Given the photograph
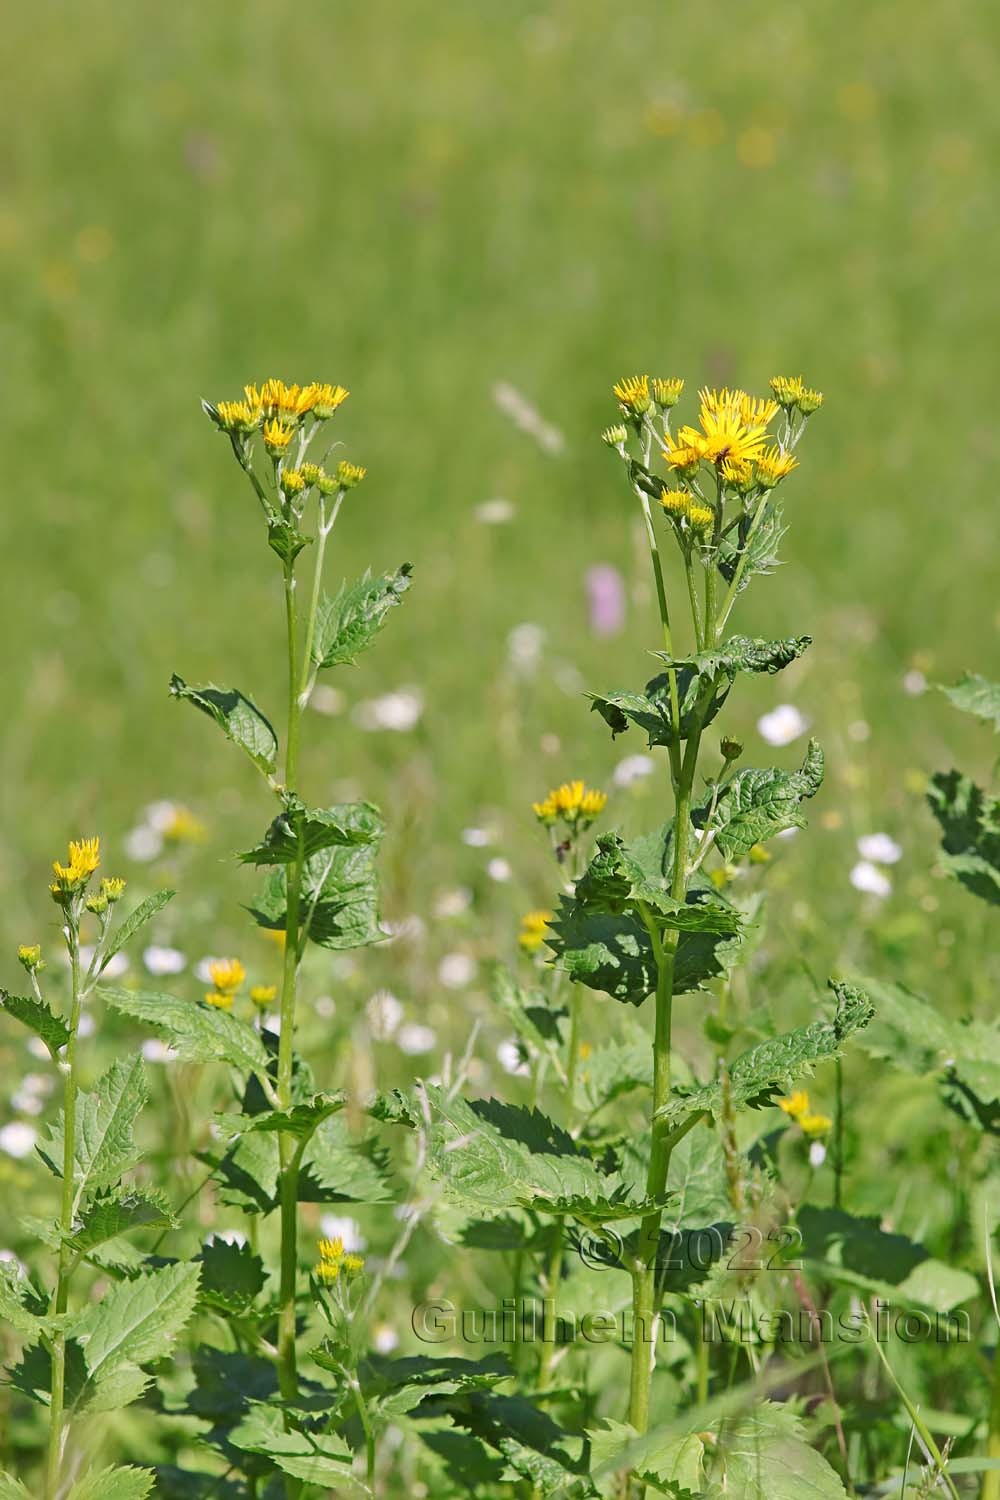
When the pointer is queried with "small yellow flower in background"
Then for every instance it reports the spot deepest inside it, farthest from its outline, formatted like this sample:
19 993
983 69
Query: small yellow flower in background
675 502
184 827
533 925
292 481
112 888
633 394
667 392
772 466
275 935
574 802
795 1104
263 994
226 974
585 1051
277 436
83 859
350 474
759 855
334 1261
29 956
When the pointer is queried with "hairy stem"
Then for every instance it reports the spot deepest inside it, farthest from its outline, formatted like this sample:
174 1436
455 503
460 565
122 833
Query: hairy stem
61 1299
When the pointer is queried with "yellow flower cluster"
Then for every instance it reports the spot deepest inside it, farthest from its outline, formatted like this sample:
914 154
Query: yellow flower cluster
82 860
791 390
797 1107
533 925
573 802
681 505
335 1262
263 995
227 975
637 394
279 408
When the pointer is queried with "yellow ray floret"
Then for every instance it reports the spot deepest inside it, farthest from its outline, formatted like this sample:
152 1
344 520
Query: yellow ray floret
239 416
675 502
787 388
292 481
795 1104
263 994
349 475
815 1124
700 517
83 859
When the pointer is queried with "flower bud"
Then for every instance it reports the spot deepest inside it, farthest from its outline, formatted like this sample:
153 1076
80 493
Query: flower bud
731 749
29 956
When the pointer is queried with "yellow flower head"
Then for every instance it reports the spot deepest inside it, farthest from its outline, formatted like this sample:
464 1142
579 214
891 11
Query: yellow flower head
328 1270
29 955
633 394
685 455
675 502
810 401
533 925
310 473
796 1104
733 426
331 1249
737 472
667 392
815 1124
112 888
293 481
574 802
326 399
221 999
772 466
289 403
83 859
353 1265
348 475
238 416
700 518
616 436
227 974
263 994
277 435
184 827
787 389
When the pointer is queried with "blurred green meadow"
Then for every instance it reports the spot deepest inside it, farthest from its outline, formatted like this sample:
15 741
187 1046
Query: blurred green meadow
428 204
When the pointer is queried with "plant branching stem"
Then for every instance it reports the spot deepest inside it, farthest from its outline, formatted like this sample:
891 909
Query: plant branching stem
61 1299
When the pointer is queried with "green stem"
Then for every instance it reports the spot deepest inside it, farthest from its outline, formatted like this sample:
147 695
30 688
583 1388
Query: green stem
288 1187
574 1045
914 1415
699 629
991 1478
732 591
61 1300
668 640
838 1139
550 1316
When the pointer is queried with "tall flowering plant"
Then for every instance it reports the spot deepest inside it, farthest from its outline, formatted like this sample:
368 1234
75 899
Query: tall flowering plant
653 919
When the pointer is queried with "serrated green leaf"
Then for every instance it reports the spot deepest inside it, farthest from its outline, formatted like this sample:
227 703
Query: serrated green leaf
301 1120
285 539
232 1275
320 1458
119 1212
197 1032
762 551
340 1168
656 1458
114 1484
240 720
614 880
105 1147
614 954
310 830
16 1293
970 826
497 1157
770 1068
534 1021
339 891
975 694
757 804
762 1456
133 923
348 623
652 709
136 1322
37 1016
397 1386
741 653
